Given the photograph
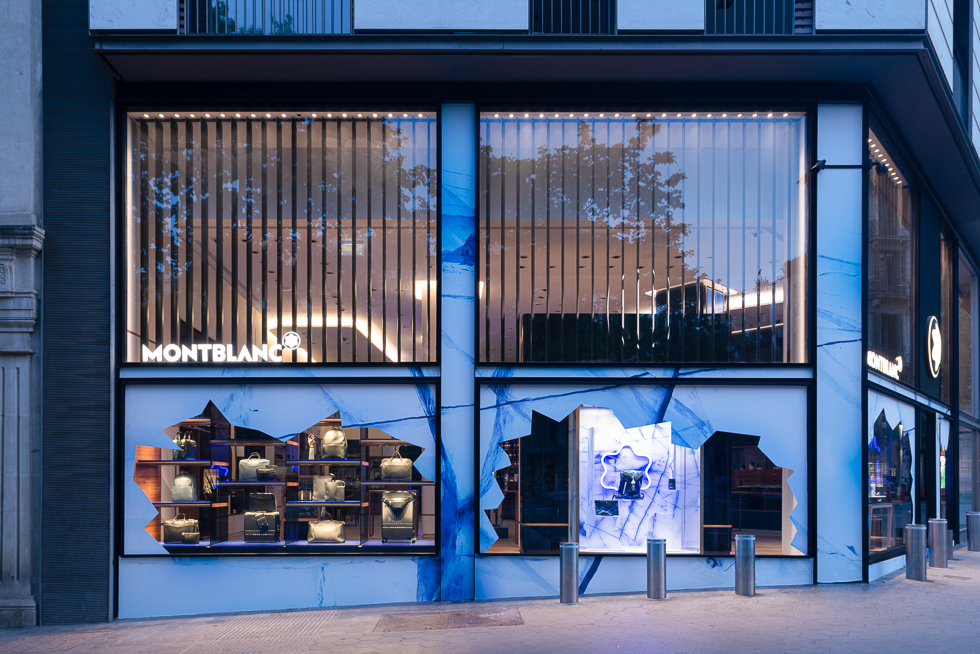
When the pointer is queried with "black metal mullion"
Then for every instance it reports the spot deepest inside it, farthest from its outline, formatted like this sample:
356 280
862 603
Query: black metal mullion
398 222
338 276
158 230
323 242
547 251
144 231
249 210
534 286
430 338
384 233
265 233
189 237
294 224
517 234
279 152
308 122
205 235
174 238
503 237
353 231
368 238
219 166
234 236
592 220
415 182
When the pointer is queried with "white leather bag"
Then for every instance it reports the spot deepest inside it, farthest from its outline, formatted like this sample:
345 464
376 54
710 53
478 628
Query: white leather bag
247 467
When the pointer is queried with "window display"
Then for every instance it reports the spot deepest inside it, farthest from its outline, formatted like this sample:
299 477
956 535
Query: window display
225 487
892 470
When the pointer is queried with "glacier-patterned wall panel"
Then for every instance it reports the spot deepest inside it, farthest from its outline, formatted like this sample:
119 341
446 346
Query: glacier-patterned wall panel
463 15
840 130
866 15
939 26
679 15
129 16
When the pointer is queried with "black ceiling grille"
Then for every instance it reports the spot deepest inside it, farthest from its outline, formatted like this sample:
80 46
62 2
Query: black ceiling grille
758 17
573 17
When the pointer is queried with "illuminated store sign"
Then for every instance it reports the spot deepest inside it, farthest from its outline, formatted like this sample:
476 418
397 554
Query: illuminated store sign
934 346
218 353
885 366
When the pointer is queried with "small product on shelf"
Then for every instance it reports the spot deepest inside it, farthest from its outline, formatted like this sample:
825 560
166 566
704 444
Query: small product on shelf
247 467
396 468
262 523
397 516
327 531
328 489
175 529
187 446
184 488
265 473
333 444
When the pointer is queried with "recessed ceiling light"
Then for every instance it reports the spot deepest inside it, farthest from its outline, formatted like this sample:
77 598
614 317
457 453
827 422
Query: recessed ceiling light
769 115
161 115
222 115
146 115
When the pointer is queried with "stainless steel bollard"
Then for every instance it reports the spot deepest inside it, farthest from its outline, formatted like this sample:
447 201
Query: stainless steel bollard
938 557
745 565
569 573
973 531
656 568
915 552
950 547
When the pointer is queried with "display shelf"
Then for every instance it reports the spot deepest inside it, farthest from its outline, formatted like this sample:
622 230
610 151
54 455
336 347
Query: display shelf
397 484
350 503
177 462
330 462
250 483
232 441
384 441
198 503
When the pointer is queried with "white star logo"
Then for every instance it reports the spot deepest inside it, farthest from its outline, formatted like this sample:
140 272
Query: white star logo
290 340
935 345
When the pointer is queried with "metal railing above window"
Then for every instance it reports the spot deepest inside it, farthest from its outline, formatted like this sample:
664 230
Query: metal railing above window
758 17
267 16
573 16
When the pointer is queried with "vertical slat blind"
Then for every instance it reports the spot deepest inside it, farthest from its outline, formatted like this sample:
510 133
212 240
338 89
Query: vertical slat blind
758 17
269 16
246 226
619 237
573 17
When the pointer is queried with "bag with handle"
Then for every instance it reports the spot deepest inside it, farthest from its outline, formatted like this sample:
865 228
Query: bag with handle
247 467
320 487
266 473
333 444
184 488
175 528
327 531
396 468
262 502
335 490
397 516
188 448
262 527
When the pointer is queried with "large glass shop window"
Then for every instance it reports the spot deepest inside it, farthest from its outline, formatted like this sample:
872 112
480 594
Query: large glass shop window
589 479
967 308
209 484
891 248
643 237
892 470
308 237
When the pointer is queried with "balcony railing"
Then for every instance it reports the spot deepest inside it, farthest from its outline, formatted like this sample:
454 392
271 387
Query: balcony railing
758 17
266 17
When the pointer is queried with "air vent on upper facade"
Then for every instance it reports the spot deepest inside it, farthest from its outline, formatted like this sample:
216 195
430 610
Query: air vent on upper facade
803 17
758 17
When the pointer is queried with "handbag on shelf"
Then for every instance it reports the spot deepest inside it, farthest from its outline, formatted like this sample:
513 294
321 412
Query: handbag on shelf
175 528
266 473
320 487
397 516
184 488
333 444
335 490
262 502
396 468
327 531
188 448
247 467
629 485
262 527
191 538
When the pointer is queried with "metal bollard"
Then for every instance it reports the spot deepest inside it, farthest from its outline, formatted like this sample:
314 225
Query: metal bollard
938 558
656 568
973 531
950 547
915 552
569 573
745 565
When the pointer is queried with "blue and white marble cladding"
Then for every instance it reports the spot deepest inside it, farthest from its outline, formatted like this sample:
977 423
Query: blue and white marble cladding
840 360
456 355
501 577
886 567
909 393
279 410
777 414
662 512
159 586
546 372
287 371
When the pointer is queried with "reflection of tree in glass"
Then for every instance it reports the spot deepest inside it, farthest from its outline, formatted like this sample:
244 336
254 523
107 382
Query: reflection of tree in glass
635 203
219 22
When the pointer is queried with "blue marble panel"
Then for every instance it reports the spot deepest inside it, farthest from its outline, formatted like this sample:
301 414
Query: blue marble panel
456 354
777 414
407 412
275 371
840 360
911 394
886 567
158 587
500 577
546 372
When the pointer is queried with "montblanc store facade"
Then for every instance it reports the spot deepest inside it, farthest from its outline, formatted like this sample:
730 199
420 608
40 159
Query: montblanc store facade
382 342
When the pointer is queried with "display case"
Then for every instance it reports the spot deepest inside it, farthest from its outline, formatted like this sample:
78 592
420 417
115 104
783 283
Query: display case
326 488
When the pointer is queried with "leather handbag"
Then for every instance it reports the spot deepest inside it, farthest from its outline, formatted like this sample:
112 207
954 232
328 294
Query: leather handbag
335 490
629 485
262 502
320 487
175 528
192 538
396 468
333 444
188 448
247 467
184 488
327 531
265 473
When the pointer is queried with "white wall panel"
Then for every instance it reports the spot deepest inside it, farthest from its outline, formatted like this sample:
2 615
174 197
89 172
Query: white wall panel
127 16
469 15
842 15
940 30
660 15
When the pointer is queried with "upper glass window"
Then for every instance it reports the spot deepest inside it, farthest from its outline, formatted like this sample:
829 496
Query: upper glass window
642 237
891 247
967 296
302 236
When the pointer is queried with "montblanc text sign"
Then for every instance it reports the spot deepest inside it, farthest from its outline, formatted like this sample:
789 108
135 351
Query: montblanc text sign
218 352
885 366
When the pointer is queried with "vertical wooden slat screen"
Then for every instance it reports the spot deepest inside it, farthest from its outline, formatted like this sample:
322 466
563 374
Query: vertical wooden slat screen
626 238
246 226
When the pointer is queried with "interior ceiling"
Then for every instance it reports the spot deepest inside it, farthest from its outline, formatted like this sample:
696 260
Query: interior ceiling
898 71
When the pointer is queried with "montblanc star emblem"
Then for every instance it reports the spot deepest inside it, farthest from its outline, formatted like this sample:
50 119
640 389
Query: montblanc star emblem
290 340
934 346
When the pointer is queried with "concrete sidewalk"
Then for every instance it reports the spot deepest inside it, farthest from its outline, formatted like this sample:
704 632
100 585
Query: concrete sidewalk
889 616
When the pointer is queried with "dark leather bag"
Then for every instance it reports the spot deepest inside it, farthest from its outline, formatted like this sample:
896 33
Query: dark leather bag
629 485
